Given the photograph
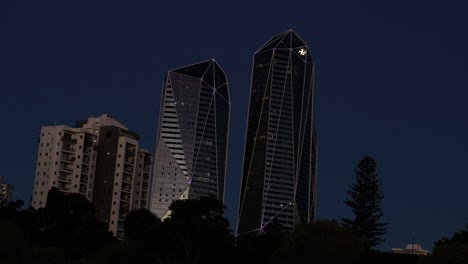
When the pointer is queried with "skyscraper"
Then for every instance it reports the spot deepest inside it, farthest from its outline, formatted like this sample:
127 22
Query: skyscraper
279 167
98 158
191 149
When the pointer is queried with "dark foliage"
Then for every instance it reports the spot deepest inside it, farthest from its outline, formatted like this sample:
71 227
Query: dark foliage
63 231
195 232
199 232
453 250
365 198
319 242
68 222
141 226
258 247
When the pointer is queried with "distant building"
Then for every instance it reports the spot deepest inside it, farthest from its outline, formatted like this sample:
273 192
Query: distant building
191 150
98 158
6 192
411 249
280 157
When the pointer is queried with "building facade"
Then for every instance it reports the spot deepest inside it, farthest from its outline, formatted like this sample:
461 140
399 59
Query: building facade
66 159
280 156
191 150
98 158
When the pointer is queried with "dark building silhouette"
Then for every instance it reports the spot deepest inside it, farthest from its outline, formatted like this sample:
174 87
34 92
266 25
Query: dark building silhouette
279 167
191 150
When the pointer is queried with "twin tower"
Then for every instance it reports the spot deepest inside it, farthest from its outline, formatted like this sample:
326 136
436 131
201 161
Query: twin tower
280 156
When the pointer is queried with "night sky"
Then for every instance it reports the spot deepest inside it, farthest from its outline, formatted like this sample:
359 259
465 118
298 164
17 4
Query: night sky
391 82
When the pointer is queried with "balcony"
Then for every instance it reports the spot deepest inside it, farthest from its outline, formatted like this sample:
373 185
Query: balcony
66 169
130 153
126 189
84 179
88 142
69 149
123 211
83 189
68 139
63 186
128 170
129 161
127 179
64 179
125 198
67 158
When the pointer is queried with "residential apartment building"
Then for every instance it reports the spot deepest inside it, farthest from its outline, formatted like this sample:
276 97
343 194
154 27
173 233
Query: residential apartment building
99 158
66 159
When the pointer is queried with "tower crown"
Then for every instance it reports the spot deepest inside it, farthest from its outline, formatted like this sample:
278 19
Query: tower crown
285 40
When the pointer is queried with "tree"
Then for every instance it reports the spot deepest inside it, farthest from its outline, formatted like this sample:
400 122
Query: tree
141 225
319 242
145 239
195 232
199 231
257 247
454 250
365 198
67 222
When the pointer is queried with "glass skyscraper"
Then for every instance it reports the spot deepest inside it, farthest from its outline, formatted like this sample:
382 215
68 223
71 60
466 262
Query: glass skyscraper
280 156
191 150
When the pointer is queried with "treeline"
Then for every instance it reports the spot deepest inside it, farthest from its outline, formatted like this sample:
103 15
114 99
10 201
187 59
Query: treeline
66 231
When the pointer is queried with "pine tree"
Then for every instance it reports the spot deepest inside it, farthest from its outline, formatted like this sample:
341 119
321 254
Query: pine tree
365 200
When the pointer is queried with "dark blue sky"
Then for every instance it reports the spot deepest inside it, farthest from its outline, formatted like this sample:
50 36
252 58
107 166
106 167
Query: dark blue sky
391 82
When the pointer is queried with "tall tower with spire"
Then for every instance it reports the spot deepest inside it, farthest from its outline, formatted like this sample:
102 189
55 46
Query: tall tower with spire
191 149
280 156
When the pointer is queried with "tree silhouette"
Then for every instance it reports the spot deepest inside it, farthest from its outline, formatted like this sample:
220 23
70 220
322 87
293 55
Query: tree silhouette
319 242
64 231
145 238
141 225
195 232
67 221
453 250
365 198
257 247
199 231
